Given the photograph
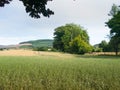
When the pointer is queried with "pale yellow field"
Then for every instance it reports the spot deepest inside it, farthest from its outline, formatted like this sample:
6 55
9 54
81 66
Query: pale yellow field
21 52
13 52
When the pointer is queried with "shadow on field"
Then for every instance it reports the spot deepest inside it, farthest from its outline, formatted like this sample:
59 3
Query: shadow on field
99 56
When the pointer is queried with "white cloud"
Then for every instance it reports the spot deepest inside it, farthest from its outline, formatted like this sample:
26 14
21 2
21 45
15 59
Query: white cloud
10 40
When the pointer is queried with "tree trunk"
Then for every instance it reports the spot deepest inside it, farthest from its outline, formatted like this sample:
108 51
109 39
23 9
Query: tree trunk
116 51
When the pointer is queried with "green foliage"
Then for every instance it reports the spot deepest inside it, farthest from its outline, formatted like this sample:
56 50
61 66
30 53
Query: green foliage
97 49
42 48
115 44
3 2
1 49
65 34
26 47
105 46
39 43
59 73
78 46
57 43
34 8
114 25
114 10
54 50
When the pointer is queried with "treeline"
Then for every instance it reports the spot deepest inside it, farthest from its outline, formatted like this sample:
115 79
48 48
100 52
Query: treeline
104 46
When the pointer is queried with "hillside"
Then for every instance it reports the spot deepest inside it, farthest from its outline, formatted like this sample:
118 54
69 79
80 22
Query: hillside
7 46
39 43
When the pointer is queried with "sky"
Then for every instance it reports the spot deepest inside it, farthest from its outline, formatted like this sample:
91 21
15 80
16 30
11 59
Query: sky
17 26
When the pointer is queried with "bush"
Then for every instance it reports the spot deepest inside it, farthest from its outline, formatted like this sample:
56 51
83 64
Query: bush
79 46
97 49
41 49
1 49
54 50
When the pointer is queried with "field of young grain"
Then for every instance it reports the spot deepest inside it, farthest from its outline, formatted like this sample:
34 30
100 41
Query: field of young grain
56 71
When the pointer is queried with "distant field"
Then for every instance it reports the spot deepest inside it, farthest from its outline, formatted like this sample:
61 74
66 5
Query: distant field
22 52
28 70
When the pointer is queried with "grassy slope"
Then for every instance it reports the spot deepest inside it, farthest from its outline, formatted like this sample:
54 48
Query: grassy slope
59 73
40 43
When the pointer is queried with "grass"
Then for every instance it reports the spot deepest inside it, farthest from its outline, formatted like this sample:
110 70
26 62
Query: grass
44 72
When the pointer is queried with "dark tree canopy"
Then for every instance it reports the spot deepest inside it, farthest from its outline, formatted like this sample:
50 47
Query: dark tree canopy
115 44
3 2
34 7
104 46
114 25
114 22
114 10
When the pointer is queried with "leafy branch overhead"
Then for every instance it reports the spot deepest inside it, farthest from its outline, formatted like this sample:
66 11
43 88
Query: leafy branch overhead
34 7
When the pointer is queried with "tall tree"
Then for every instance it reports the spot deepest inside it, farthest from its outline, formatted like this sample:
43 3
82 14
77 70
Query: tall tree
66 34
114 10
114 25
58 44
34 7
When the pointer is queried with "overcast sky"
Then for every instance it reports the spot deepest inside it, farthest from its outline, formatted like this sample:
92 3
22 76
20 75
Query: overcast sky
17 26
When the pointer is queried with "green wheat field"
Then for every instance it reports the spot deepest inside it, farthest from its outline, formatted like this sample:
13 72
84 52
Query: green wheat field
44 72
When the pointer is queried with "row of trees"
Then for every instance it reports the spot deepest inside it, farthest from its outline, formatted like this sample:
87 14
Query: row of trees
104 46
71 38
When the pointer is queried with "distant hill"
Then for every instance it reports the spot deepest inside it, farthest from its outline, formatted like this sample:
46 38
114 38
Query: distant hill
30 44
39 43
2 46
8 46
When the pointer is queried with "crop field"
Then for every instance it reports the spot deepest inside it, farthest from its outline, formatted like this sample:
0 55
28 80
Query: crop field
28 70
